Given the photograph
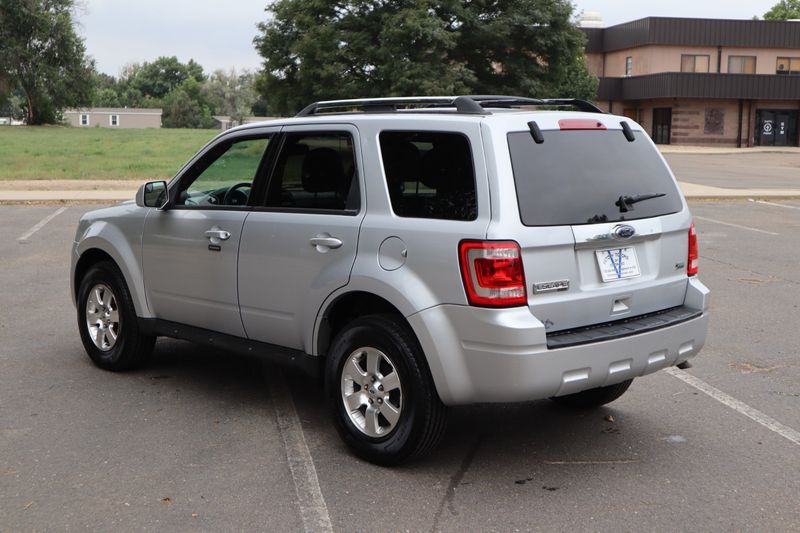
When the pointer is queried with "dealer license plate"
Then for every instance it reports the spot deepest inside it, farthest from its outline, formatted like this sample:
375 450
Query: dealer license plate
617 264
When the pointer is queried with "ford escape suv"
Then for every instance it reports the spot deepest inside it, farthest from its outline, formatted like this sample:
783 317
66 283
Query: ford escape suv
419 253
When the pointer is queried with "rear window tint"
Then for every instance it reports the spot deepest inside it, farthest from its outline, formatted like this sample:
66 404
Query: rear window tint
429 174
577 177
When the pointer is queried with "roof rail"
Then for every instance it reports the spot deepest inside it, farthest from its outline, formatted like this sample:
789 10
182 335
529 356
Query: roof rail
470 105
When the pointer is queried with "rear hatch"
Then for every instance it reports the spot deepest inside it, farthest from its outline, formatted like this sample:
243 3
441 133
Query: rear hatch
605 236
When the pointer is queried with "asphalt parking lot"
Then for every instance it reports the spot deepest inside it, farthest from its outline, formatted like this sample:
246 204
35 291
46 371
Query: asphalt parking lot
202 441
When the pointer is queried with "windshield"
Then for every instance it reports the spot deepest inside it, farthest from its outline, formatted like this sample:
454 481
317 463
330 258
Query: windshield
589 177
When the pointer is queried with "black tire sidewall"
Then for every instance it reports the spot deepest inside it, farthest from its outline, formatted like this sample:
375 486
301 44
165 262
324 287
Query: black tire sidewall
401 348
121 356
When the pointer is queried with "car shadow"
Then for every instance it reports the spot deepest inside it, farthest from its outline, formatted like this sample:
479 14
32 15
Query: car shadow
503 435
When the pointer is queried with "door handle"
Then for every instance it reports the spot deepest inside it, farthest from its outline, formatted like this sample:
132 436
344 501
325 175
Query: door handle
325 242
219 234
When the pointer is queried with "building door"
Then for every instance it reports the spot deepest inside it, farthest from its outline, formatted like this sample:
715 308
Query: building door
662 125
781 128
776 127
765 134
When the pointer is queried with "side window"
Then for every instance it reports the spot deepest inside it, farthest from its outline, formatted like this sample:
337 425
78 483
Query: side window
315 171
224 177
429 174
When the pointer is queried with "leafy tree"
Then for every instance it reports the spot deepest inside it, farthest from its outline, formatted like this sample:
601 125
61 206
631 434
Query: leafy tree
158 78
356 48
12 105
186 107
784 10
42 56
231 94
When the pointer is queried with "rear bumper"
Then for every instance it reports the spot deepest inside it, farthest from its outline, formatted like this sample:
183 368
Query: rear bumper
501 355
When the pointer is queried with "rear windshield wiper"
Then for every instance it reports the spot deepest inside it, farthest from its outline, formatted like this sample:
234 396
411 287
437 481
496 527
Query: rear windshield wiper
625 203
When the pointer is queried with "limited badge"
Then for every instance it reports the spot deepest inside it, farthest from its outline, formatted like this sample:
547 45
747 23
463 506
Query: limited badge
551 286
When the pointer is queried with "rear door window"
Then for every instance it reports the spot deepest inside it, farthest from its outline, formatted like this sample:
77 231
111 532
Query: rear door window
429 174
315 171
577 177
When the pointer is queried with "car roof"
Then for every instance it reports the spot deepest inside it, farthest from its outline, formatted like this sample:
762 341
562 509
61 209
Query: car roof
502 119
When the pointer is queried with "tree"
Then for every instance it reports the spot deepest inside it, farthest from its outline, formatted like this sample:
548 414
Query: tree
158 78
231 94
361 48
784 10
186 107
43 57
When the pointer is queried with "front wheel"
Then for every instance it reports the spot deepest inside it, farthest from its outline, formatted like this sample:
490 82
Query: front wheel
593 397
107 320
382 396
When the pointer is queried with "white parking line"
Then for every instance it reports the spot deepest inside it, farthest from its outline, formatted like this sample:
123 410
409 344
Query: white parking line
313 510
763 202
736 225
28 234
741 407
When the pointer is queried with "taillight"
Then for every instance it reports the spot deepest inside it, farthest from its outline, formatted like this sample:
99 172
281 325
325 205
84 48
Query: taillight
694 255
492 273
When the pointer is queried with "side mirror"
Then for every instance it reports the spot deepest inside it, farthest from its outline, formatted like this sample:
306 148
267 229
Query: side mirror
152 194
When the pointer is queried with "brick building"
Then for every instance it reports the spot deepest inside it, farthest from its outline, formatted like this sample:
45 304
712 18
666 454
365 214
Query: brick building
702 81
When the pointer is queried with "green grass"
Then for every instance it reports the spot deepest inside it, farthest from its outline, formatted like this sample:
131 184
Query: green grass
54 152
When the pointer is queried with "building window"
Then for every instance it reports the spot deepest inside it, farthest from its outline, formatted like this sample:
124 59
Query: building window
113 120
741 64
788 65
629 66
693 63
715 121
84 120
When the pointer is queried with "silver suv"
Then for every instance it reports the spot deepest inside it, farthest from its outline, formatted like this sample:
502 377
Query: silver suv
418 253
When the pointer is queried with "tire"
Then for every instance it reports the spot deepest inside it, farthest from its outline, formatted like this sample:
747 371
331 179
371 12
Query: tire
593 397
107 320
392 419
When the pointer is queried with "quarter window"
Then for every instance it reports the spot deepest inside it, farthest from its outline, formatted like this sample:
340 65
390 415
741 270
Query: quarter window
694 63
224 176
315 171
742 64
788 65
429 174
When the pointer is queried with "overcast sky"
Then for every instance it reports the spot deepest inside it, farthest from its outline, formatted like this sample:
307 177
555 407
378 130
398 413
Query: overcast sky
219 34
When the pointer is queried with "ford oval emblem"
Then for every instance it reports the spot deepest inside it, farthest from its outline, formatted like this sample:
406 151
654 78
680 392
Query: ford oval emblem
623 231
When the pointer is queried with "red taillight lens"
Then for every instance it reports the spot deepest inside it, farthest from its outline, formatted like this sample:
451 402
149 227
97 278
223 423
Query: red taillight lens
694 255
492 273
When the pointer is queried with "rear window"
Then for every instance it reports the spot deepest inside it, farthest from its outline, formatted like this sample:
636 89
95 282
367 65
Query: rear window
577 177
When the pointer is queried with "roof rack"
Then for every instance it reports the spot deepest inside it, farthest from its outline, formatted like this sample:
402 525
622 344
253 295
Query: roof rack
470 105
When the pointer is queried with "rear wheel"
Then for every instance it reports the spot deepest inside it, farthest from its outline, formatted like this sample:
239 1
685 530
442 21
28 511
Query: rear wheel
107 320
382 396
593 397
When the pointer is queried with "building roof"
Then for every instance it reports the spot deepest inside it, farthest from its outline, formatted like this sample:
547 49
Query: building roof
117 110
694 32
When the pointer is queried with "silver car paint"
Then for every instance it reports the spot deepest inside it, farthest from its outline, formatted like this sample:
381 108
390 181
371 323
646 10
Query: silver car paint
284 277
470 351
185 281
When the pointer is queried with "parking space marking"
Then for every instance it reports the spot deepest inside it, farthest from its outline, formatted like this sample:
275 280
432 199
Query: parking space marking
764 202
39 225
741 407
313 510
736 225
